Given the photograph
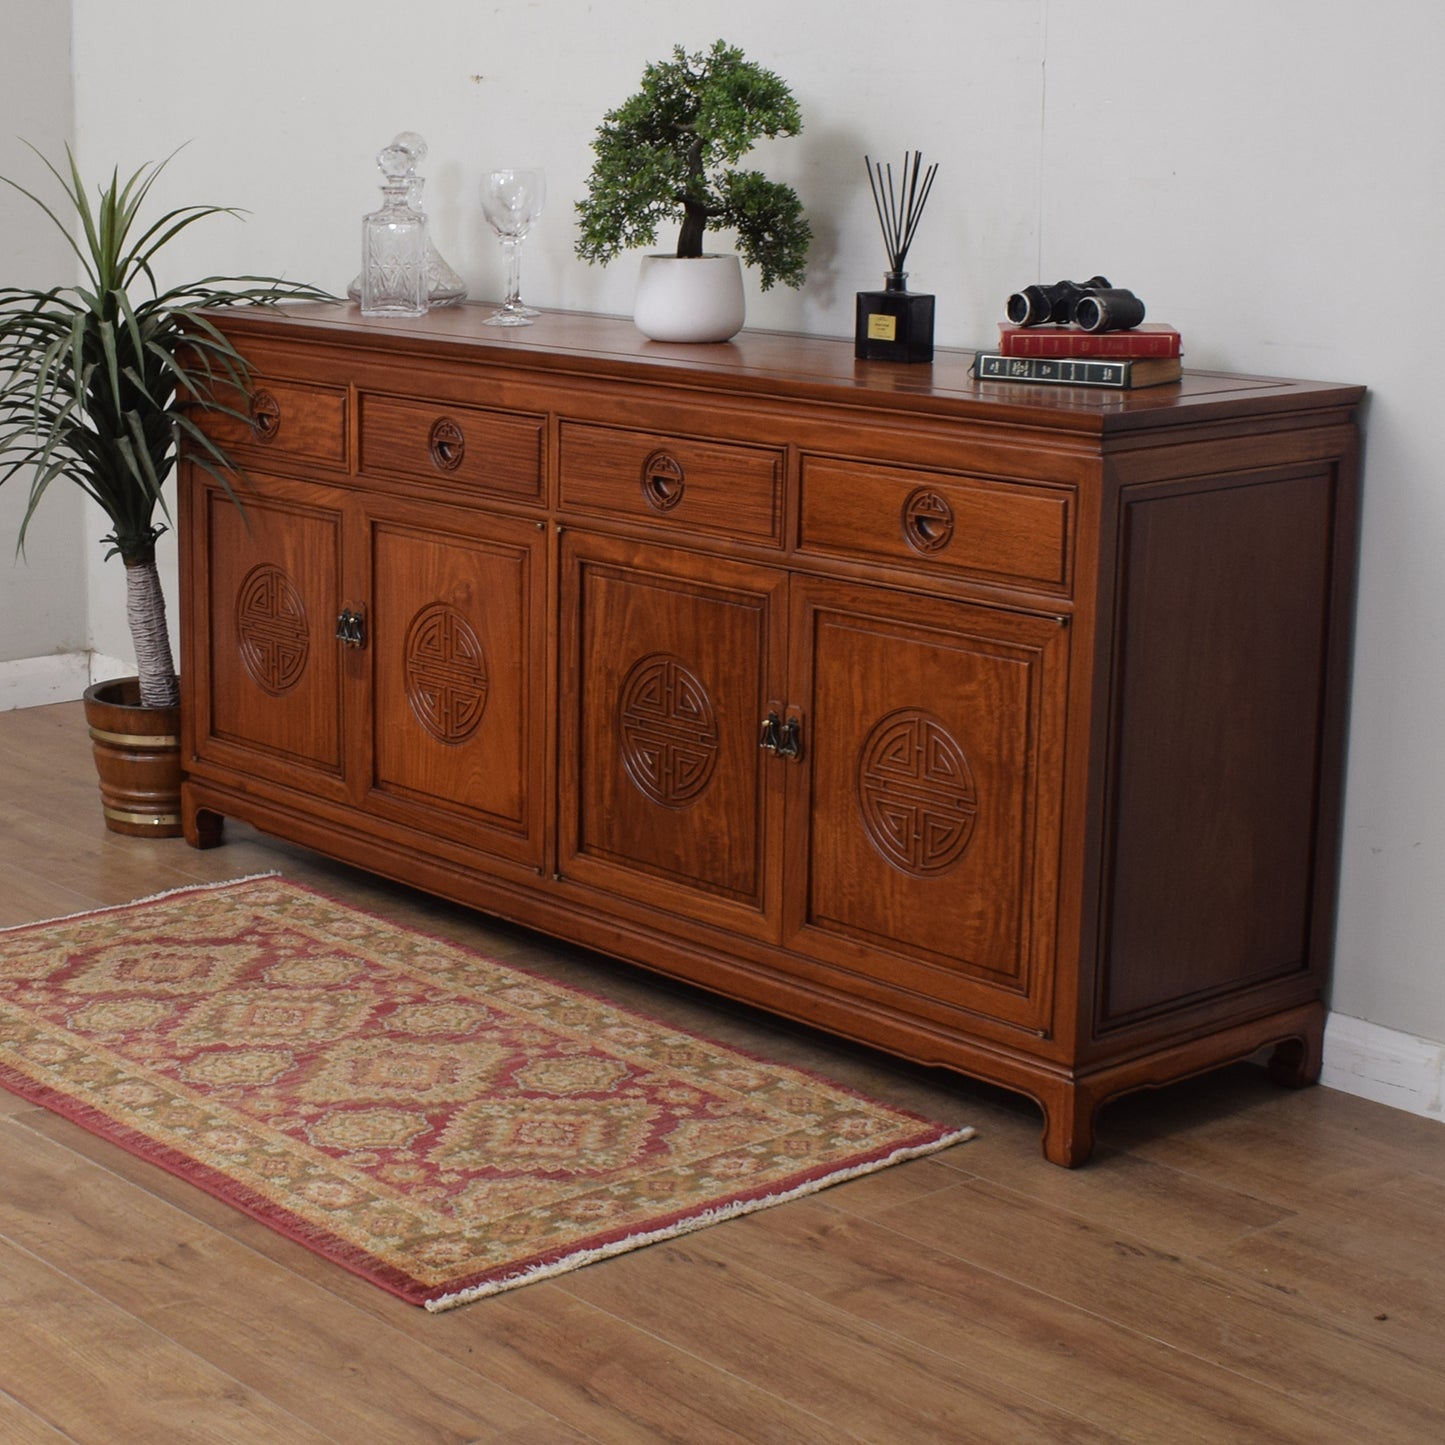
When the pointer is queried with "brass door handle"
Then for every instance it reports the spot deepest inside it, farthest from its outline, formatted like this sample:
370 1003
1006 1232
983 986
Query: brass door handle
783 737
351 628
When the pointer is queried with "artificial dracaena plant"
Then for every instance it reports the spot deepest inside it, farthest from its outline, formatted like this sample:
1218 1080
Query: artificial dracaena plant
102 381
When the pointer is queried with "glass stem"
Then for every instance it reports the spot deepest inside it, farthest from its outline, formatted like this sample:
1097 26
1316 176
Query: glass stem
512 250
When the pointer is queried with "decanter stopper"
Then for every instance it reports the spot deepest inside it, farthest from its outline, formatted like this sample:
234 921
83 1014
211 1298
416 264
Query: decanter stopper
444 287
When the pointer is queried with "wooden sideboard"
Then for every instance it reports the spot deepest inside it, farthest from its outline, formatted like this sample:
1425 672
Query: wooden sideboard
997 726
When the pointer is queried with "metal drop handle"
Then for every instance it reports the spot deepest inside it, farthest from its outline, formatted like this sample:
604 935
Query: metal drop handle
783 737
351 628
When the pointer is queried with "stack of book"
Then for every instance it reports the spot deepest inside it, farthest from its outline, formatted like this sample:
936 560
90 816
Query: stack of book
1146 355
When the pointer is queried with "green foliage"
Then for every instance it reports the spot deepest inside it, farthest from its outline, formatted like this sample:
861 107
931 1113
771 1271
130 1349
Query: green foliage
92 376
667 153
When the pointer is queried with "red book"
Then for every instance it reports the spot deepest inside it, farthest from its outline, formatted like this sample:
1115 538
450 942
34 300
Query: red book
1150 339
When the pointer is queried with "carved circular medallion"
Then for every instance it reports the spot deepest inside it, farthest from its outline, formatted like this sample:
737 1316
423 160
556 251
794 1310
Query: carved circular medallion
917 793
446 674
668 730
271 630
927 520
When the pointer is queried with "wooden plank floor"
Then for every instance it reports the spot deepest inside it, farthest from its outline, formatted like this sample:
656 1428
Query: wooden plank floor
1238 1263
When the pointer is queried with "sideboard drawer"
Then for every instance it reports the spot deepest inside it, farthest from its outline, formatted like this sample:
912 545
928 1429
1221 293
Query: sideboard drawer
726 488
998 531
491 451
290 420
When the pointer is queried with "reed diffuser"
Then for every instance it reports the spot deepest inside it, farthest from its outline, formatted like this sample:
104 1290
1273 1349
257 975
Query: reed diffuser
896 324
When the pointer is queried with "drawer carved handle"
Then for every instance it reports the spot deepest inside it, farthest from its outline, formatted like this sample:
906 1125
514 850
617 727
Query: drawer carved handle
446 444
927 521
265 416
663 481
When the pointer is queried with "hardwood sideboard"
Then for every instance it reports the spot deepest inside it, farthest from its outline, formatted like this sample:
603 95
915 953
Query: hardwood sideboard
999 727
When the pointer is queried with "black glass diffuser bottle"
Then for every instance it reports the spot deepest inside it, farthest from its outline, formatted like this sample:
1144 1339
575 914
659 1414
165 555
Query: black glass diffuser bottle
896 324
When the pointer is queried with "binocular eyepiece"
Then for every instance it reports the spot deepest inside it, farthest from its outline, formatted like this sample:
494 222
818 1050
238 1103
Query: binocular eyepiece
1092 305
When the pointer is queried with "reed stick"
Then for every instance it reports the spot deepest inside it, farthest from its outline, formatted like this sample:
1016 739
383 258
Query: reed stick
900 207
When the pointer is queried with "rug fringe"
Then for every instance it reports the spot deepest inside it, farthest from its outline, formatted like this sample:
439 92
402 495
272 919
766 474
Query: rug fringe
717 1215
149 898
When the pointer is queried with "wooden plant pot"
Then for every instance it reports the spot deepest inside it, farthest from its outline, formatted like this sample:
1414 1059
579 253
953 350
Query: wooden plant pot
138 759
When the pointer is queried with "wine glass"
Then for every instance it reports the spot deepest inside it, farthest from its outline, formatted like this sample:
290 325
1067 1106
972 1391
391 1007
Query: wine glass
512 201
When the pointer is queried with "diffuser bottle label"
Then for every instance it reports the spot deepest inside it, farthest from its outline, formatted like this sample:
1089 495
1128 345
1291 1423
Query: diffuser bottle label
882 328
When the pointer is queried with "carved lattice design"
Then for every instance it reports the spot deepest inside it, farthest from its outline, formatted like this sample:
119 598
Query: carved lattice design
446 674
668 730
917 793
271 629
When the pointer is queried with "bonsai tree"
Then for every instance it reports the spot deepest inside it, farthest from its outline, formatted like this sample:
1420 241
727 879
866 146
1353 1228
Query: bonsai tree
669 152
100 383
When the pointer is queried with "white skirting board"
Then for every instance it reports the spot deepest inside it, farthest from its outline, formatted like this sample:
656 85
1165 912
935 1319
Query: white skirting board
60 677
1383 1064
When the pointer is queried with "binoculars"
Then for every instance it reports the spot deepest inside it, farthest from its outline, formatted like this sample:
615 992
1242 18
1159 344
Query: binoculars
1092 305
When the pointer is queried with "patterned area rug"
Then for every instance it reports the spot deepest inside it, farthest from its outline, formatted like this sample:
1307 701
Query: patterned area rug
439 1123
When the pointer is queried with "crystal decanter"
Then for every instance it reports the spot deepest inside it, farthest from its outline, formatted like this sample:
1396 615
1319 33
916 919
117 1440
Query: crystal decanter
443 286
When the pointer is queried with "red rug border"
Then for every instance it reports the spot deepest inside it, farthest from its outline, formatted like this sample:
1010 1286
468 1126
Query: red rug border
218 1186
931 1137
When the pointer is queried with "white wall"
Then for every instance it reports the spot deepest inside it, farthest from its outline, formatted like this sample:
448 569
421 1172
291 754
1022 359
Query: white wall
42 596
1268 177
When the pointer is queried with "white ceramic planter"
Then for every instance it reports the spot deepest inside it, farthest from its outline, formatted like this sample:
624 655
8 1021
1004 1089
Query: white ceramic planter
690 298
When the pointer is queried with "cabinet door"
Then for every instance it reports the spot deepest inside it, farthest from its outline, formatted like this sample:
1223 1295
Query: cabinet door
670 660
265 595
926 807
457 647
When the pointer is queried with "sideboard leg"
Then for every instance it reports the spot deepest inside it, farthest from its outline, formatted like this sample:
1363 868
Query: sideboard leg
1295 1063
202 827
1069 1126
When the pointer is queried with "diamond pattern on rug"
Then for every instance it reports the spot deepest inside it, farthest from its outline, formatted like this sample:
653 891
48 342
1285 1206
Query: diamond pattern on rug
441 1124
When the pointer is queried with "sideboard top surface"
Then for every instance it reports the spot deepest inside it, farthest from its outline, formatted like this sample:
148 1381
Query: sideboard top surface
774 363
